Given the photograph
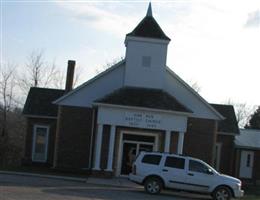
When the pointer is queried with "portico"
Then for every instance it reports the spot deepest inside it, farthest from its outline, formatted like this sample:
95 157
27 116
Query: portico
147 122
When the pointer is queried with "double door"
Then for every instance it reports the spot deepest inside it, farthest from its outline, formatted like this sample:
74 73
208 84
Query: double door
130 151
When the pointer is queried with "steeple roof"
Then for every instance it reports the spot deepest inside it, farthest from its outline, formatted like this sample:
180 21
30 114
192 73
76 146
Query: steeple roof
149 28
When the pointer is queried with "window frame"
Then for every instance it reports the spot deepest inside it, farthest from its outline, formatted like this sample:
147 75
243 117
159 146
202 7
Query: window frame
35 126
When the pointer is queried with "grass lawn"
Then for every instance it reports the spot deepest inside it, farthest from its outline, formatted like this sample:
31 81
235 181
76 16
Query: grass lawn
252 193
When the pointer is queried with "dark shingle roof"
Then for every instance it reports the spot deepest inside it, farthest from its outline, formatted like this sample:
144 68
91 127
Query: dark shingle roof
149 28
228 125
39 102
143 97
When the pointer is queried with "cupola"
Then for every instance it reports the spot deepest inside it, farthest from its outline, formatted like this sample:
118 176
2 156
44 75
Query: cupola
146 52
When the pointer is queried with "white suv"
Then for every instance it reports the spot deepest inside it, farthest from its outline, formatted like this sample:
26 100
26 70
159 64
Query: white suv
162 170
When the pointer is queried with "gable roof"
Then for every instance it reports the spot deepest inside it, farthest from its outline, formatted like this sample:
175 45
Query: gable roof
248 138
149 28
144 97
39 102
189 89
88 82
229 124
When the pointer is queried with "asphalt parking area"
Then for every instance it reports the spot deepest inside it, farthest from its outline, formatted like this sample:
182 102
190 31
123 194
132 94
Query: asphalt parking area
15 187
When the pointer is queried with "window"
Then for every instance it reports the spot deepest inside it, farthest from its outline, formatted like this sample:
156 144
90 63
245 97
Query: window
196 166
146 61
40 143
175 162
152 159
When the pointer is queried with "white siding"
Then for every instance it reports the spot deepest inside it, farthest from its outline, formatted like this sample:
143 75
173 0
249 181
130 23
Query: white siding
118 116
139 76
184 94
96 89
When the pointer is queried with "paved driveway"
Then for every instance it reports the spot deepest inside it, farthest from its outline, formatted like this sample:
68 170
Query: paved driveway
14 187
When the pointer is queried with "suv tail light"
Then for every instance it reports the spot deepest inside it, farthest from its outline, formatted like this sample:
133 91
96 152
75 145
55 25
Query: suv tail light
134 169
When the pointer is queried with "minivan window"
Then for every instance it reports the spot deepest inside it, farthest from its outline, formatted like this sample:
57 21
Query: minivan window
175 162
196 166
152 159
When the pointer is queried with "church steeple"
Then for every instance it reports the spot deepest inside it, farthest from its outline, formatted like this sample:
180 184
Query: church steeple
146 53
149 10
149 28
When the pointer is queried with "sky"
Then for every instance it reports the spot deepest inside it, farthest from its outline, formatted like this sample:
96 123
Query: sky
215 43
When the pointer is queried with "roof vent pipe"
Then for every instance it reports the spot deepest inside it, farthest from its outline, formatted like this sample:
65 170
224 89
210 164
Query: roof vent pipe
70 75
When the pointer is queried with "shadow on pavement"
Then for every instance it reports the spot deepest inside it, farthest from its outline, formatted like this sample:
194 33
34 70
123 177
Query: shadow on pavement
28 181
73 190
104 192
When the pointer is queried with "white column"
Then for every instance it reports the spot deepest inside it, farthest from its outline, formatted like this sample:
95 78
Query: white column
180 142
111 148
98 147
167 141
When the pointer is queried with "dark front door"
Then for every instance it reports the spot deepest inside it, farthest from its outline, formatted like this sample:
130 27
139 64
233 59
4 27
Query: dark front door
130 150
129 154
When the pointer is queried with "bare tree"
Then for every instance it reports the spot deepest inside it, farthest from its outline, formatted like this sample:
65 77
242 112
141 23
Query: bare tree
109 64
7 97
38 72
11 120
242 111
77 77
195 86
59 80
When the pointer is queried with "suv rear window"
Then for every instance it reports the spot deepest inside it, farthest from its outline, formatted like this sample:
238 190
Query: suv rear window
175 162
152 159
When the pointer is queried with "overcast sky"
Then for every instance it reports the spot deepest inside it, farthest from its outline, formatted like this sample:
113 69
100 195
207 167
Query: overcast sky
213 43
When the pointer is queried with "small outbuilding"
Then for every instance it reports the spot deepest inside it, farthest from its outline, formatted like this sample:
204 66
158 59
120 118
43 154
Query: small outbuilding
247 148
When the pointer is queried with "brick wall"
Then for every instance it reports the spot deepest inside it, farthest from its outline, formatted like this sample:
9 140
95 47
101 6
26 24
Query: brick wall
236 163
200 139
227 153
29 138
174 142
74 131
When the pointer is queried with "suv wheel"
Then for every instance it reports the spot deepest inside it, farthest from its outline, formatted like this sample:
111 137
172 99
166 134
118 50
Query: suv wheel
153 185
222 193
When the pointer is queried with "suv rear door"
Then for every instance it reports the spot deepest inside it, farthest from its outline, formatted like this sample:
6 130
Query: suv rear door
173 172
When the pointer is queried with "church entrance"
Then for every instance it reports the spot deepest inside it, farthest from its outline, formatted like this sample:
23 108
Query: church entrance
131 146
